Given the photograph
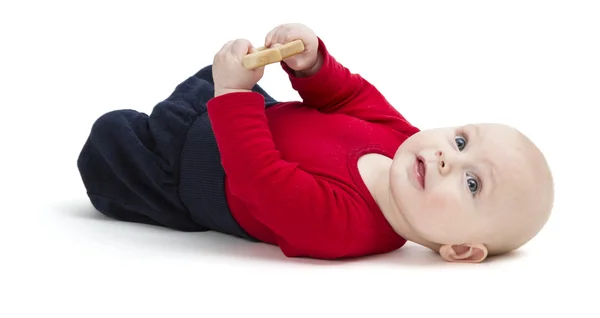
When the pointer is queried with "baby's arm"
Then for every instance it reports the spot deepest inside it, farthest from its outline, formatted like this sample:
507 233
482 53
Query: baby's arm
333 88
300 208
325 84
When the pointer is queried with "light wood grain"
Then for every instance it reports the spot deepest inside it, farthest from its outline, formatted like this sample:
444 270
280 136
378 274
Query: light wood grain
264 56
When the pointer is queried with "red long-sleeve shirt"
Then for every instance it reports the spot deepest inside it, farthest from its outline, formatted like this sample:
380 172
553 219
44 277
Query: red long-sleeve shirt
291 170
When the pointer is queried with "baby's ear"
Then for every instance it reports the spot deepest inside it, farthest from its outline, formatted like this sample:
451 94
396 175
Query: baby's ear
464 253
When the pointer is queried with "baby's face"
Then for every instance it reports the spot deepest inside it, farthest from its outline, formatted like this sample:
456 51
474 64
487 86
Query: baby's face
466 184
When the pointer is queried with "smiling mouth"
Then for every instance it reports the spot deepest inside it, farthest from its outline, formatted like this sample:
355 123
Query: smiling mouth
420 171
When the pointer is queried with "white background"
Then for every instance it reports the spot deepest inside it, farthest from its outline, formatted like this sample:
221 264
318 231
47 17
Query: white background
531 64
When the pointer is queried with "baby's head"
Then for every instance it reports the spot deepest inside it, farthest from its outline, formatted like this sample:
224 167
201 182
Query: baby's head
487 190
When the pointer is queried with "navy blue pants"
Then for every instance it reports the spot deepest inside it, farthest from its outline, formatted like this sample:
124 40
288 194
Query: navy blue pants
164 168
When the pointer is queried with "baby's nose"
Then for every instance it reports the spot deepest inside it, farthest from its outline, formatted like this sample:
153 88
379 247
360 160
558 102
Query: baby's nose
441 162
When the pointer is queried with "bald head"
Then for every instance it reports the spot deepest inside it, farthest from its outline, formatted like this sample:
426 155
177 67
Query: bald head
524 198
484 188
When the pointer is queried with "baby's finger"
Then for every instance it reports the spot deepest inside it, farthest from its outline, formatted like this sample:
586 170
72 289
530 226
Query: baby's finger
269 37
225 49
226 46
241 47
284 37
278 36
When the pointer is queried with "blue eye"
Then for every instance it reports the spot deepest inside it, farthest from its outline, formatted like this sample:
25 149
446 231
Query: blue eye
473 184
461 142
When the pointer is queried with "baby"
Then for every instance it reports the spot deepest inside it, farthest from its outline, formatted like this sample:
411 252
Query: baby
339 174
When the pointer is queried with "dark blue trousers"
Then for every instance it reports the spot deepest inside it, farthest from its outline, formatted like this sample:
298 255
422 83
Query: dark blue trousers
161 168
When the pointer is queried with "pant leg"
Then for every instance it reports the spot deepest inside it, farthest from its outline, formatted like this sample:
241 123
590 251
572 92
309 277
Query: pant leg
206 74
130 162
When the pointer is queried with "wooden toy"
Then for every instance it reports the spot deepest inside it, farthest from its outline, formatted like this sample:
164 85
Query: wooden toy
264 56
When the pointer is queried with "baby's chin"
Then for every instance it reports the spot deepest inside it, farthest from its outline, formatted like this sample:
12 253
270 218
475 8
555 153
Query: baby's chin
401 159
405 146
405 153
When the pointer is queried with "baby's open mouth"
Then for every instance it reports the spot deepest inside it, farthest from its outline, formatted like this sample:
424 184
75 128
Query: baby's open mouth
420 171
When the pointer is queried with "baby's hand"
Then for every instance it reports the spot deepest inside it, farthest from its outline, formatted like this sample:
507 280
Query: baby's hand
285 33
229 74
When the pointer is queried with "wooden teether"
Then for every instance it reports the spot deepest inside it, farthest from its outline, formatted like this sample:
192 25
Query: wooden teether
264 56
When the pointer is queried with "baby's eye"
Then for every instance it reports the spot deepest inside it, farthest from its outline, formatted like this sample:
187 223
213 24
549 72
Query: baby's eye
461 142
473 184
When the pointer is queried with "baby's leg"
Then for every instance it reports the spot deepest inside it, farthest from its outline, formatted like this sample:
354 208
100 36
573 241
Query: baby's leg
162 168
126 173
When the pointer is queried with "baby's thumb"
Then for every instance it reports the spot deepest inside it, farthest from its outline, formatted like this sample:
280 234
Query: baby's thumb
241 47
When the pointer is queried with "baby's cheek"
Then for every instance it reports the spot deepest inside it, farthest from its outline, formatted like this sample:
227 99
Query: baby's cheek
445 218
443 202
437 219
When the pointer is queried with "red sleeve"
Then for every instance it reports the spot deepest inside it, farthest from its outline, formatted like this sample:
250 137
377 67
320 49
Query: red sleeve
335 89
297 206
